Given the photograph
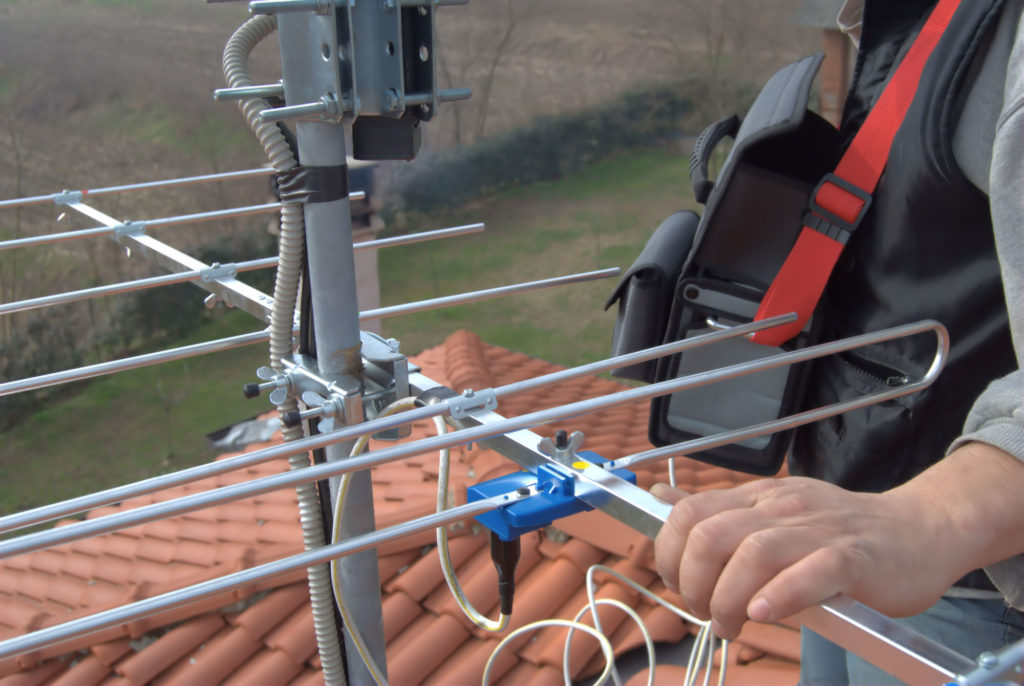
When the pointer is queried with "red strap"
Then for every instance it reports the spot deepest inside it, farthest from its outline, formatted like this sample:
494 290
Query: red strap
801 280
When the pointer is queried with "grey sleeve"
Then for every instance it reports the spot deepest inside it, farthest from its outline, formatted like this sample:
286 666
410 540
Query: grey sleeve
997 417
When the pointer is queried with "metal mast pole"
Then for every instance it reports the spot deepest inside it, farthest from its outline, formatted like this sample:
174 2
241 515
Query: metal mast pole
307 47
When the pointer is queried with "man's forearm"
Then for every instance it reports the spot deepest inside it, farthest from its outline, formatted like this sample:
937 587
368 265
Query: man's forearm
979 489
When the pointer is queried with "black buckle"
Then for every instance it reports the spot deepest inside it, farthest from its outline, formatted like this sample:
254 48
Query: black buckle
827 222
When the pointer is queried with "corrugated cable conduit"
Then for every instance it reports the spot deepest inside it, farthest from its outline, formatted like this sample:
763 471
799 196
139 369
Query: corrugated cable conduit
286 286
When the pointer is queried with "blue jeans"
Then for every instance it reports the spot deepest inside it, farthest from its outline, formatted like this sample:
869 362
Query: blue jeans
968 626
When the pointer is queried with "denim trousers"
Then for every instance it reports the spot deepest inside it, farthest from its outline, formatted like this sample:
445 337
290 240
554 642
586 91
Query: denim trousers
968 626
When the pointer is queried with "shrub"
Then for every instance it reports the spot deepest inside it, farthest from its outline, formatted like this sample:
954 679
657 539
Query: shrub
548 148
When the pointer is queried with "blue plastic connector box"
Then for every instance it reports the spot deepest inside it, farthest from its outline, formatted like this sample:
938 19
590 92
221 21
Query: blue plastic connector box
559 497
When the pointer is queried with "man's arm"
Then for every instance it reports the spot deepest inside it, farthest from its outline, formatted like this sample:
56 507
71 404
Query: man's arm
768 549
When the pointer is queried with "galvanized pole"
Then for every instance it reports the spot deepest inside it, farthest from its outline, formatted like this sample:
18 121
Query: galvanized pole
307 44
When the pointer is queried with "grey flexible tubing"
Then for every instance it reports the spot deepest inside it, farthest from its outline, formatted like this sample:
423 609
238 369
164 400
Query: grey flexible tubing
286 286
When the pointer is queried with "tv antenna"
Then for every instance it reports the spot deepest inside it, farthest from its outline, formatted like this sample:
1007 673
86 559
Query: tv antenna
369 66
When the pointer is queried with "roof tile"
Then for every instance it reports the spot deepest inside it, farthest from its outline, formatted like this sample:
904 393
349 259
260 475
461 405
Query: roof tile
111 651
22 615
390 565
37 675
423 646
166 650
544 591
479 581
548 648
266 667
398 610
295 636
263 616
771 638
310 677
214 660
467 665
78 565
88 671
48 561
580 553
424 575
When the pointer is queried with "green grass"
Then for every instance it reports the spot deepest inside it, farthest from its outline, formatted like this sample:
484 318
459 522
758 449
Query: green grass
597 218
131 425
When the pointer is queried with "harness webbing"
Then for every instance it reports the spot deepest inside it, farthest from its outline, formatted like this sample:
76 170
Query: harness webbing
842 198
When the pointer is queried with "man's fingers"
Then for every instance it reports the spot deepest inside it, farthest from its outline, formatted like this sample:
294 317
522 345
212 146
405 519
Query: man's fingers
757 559
672 540
668 494
811 580
709 548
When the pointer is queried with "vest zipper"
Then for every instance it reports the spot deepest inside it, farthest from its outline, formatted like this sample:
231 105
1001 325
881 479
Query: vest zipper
882 373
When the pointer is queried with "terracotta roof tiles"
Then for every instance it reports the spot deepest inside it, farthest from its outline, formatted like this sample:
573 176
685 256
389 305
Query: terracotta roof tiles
264 634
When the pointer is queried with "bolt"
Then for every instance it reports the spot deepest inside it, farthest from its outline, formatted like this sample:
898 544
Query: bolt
523 490
468 393
391 100
562 439
988 661
243 92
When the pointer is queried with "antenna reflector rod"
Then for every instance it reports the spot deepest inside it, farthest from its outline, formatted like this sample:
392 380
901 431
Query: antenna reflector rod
65 196
487 294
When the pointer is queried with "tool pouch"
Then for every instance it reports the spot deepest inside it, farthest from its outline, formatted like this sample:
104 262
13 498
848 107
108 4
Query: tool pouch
753 214
645 293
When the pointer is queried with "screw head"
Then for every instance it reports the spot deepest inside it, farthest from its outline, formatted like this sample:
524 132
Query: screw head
468 393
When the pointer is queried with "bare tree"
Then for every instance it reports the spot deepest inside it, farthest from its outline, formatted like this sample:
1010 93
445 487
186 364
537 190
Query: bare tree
10 266
515 13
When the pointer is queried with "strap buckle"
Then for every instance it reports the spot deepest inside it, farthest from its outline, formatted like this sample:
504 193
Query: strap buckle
829 223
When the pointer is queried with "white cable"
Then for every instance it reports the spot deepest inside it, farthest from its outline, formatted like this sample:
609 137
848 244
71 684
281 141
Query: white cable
648 642
703 650
339 500
442 546
700 656
606 647
474 615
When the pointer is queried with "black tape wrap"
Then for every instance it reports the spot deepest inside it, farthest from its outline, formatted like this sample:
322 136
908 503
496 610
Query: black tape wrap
313 184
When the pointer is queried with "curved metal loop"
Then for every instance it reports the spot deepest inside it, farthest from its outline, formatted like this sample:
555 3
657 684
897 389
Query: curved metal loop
806 417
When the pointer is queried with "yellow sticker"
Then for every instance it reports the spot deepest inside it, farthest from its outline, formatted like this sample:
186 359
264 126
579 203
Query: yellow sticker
580 464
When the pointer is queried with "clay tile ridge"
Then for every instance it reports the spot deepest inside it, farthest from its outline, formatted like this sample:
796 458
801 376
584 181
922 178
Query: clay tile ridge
465 363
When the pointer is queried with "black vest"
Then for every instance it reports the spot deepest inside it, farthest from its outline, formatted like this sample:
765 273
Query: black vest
925 250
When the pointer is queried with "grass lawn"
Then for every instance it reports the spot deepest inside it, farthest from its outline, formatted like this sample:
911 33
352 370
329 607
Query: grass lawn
131 425
597 218
128 426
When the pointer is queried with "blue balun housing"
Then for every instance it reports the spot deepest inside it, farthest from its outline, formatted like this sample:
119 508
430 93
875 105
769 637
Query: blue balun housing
559 497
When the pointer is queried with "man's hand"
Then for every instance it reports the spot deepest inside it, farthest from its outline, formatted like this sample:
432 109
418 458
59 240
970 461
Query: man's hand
768 549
